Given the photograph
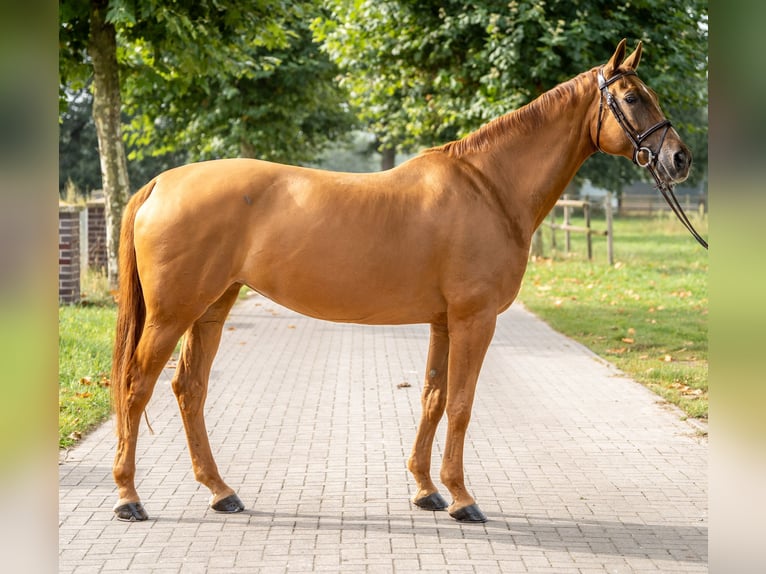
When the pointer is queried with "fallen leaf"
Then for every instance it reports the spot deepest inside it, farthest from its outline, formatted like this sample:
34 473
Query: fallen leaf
681 294
403 385
628 340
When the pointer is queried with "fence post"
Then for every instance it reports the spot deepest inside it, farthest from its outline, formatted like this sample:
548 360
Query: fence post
537 249
586 212
553 228
609 233
69 254
567 221
83 239
97 258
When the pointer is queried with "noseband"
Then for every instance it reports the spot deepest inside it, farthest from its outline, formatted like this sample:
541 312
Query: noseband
639 149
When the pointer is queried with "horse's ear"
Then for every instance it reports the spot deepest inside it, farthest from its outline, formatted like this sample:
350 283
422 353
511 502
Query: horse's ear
616 59
631 62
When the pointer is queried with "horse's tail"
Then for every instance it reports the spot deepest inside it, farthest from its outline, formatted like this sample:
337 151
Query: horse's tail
131 312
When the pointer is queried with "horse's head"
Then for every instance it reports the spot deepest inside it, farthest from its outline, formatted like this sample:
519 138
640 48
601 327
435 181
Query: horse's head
630 122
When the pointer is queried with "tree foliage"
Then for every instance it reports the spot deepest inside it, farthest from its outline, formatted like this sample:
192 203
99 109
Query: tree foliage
214 78
182 41
284 111
425 72
78 150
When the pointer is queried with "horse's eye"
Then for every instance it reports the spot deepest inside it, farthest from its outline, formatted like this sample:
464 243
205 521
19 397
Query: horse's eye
630 98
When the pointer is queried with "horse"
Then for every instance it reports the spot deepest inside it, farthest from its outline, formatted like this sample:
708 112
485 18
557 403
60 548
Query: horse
441 239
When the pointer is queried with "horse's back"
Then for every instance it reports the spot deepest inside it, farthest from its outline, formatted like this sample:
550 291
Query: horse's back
370 248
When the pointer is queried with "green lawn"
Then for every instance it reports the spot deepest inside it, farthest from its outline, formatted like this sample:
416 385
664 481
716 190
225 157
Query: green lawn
85 359
647 314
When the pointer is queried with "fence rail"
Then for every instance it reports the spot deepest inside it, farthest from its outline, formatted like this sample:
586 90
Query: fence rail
567 205
649 203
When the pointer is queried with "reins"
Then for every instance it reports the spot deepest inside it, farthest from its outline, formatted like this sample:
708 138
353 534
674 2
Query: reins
637 139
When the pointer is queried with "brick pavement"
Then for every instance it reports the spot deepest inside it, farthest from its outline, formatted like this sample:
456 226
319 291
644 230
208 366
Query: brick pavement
579 469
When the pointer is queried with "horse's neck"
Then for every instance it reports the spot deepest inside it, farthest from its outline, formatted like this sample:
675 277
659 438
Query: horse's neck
531 167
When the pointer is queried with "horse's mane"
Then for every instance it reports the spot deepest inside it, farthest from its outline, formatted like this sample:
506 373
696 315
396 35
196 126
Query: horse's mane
528 117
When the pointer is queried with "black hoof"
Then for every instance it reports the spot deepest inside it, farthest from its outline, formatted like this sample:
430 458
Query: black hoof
470 513
433 501
131 512
230 504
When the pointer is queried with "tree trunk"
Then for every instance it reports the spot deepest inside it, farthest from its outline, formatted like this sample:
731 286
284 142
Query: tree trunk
102 48
388 158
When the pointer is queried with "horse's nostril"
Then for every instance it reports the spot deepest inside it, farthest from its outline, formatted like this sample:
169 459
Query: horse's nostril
681 160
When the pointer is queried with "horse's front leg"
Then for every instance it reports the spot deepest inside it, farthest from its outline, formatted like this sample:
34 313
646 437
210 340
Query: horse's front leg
469 338
433 400
190 387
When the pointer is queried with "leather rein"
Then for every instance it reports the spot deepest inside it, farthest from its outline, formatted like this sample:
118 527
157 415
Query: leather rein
641 151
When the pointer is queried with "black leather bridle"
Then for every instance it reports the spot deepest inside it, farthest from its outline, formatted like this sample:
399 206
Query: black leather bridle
639 149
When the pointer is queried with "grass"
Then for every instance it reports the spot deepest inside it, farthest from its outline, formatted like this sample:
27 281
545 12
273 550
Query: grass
647 314
86 332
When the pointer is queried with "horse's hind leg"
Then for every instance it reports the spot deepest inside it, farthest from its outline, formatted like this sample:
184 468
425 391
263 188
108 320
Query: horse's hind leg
152 353
433 400
190 387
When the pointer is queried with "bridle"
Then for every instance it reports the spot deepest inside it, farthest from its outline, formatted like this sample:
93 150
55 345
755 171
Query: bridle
640 150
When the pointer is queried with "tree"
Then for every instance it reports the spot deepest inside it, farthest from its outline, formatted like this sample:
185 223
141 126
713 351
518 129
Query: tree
78 145
425 72
286 111
181 41
78 149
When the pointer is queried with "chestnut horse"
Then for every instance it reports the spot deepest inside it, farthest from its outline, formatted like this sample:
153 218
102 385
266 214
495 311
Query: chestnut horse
442 239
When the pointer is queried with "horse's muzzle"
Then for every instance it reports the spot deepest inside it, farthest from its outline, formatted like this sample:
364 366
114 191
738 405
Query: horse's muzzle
675 162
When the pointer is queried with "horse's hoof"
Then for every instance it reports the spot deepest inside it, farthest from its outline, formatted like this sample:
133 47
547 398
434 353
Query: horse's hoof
471 513
433 501
131 512
229 505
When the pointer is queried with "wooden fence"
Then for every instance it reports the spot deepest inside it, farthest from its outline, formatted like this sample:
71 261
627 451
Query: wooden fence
567 205
650 203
